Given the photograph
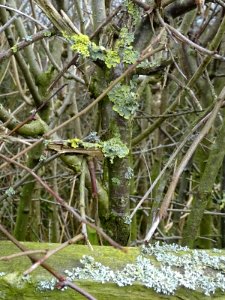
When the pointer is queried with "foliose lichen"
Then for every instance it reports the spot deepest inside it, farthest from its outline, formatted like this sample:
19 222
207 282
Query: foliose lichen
179 267
10 192
114 147
124 98
129 173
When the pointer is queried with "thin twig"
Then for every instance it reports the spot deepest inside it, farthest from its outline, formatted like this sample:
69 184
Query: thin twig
61 278
30 40
168 197
183 38
52 252
23 14
172 157
16 255
63 203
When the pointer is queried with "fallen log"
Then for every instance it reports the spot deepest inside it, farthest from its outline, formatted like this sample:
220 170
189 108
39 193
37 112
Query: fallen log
159 272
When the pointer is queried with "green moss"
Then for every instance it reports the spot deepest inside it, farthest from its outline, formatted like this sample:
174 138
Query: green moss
44 80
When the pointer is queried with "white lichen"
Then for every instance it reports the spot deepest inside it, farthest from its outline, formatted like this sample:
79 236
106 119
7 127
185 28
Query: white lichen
179 267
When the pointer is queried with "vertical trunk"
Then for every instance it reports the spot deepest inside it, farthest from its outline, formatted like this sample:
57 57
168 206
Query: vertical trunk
207 181
23 211
119 187
222 222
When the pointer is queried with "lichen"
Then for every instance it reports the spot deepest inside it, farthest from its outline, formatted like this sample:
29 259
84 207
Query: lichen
124 47
10 192
112 58
80 43
162 267
47 33
74 143
164 278
116 180
129 173
179 267
111 148
132 10
124 98
114 147
14 48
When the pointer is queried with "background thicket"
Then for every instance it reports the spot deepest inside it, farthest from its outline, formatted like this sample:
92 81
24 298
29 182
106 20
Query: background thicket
118 107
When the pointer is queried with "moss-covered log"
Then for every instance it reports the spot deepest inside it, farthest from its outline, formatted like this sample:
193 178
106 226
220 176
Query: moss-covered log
14 286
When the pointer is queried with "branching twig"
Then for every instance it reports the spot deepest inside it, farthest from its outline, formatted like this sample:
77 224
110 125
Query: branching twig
23 14
52 252
62 279
16 255
183 38
167 199
30 40
63 203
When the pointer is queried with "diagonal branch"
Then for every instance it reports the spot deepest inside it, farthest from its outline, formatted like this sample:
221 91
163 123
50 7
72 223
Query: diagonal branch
30 40
168 197
63 203
184 39
61 278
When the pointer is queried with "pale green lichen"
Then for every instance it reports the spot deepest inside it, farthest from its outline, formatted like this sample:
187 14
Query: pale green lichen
129 173
123 51
116 181
179 267
47 33
114 147
42 158
112 58
97 52
14 48
111 148
124 47
10 192
124 98
161 267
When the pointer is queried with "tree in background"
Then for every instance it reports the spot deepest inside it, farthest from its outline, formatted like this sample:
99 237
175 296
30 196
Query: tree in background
118 107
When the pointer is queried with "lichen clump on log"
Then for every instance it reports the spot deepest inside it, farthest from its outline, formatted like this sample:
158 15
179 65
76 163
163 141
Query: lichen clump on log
165 268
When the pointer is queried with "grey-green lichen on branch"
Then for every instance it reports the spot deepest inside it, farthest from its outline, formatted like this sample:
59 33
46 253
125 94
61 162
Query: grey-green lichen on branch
111 148
177 267
158 269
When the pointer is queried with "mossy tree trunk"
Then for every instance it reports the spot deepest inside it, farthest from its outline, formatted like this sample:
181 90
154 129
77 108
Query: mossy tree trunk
203 196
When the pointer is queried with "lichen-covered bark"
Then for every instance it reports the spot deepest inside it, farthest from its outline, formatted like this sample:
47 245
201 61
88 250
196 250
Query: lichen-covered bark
13 287
119 189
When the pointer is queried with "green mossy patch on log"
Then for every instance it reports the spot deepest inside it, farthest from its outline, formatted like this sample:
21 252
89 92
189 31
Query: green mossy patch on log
13 286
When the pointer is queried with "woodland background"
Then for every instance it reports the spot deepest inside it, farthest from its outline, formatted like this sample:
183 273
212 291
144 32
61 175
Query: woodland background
112 114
